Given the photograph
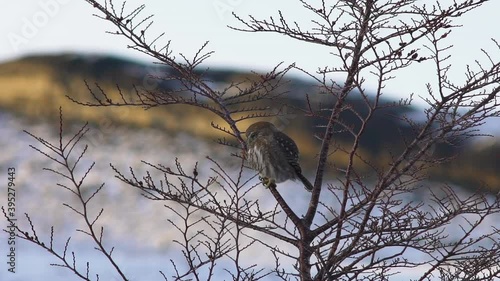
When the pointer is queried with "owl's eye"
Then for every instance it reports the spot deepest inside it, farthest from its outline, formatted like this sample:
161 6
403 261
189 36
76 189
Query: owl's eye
252 135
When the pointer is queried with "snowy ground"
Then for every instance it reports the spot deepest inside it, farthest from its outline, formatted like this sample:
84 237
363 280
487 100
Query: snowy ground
137 227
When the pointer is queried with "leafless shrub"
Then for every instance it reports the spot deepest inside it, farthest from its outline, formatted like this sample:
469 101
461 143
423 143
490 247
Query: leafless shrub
353 229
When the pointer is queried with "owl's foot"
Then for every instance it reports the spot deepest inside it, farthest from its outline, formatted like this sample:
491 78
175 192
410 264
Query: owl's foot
267 182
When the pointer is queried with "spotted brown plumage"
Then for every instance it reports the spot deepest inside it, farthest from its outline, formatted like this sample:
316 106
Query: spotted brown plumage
273 154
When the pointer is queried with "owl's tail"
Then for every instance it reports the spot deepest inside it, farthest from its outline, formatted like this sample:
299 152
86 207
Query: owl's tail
306 182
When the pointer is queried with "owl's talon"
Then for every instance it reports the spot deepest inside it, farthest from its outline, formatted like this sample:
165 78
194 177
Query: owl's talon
264 180
268 183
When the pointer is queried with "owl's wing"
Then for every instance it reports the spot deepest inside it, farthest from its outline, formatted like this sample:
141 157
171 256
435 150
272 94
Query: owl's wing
290 149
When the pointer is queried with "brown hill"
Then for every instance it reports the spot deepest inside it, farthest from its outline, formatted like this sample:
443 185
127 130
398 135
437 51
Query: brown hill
36 86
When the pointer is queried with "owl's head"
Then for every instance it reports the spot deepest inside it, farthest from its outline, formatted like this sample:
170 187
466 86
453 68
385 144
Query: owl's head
259 129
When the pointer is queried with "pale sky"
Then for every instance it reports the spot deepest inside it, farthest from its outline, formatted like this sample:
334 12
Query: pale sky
68 26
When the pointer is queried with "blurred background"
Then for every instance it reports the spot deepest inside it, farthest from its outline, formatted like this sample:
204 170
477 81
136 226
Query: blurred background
50 47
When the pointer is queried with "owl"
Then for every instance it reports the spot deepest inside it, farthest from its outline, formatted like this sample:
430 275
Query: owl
274 155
